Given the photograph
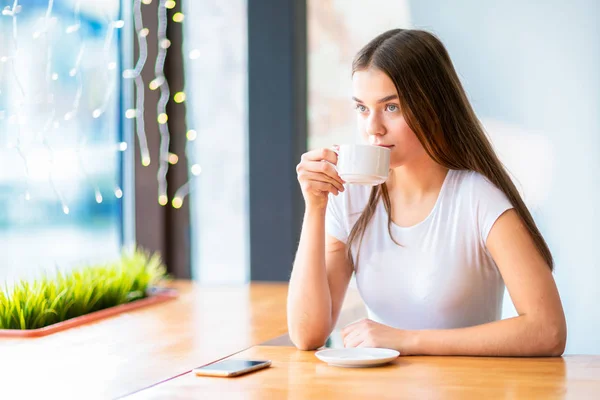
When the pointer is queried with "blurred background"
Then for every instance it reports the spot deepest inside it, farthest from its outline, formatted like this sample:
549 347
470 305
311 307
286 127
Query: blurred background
177 125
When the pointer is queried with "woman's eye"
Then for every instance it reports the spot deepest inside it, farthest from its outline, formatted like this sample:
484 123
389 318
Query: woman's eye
360 108
392 108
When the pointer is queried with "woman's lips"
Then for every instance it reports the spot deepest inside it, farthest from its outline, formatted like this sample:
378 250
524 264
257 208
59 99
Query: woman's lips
389 146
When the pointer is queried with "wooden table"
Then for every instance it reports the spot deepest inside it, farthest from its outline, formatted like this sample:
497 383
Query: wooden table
129 352
300 375
119 355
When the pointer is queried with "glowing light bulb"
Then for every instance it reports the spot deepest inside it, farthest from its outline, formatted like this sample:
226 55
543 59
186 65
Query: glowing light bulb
155 83
162 118
196 169
170 4
118 193
123 146
129 114
165 43
145 161
163 199
173 159
177 202
179 97
191 135
178 17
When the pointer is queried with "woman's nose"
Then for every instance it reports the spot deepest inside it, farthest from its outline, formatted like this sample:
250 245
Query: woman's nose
374 125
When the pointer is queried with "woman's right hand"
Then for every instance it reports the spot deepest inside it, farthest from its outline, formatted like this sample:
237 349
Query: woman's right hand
318 177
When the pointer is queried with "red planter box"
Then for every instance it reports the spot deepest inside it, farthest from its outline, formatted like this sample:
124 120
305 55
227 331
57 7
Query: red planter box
160 296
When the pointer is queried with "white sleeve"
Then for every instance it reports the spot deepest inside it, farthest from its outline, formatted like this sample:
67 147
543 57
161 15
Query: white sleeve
491 203
335 221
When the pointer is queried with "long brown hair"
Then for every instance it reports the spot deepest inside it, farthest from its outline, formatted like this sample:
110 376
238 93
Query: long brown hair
436 108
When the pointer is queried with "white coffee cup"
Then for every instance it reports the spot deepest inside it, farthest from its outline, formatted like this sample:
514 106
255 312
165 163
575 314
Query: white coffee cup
363 164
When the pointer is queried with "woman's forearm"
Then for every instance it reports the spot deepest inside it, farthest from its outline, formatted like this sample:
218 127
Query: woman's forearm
309 298
518 336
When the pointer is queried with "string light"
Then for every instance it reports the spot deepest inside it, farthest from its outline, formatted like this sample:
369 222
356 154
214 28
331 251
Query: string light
195 170
111 65
51 178
136 74
12 12
177 202
75 72
179 97
178 17
136 112
165 43
163 199
173 159
156 83
161 107
98 196
191 135
180 194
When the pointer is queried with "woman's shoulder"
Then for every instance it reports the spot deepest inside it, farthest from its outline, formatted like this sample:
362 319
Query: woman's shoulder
474 184
477 195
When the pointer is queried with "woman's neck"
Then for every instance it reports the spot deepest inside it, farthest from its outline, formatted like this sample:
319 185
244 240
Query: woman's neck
412 182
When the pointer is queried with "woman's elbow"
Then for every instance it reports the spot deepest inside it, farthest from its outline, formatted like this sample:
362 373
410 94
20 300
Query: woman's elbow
555 340
307 341
307 346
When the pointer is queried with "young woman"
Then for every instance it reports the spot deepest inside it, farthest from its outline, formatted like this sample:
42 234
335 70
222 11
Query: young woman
434 246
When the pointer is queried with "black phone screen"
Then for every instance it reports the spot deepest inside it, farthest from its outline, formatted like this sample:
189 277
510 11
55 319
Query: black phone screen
231 365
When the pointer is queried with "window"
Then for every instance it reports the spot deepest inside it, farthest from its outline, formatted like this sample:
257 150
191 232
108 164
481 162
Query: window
61 142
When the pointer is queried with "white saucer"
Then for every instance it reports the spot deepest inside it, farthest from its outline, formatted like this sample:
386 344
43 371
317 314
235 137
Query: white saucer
357 356
359 179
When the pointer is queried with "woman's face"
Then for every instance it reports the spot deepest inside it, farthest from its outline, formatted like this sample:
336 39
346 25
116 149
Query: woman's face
380 118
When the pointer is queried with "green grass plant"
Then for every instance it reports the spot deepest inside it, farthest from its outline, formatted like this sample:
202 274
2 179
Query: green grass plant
32 304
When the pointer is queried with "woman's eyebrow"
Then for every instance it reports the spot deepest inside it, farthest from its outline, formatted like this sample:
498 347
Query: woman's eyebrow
382 100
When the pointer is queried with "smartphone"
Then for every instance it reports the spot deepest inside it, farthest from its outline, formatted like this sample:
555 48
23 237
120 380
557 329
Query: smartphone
231 367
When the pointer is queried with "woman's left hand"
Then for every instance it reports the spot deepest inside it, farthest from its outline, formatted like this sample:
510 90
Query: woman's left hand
368 333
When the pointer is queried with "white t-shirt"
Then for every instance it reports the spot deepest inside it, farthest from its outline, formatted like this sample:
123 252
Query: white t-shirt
443 276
